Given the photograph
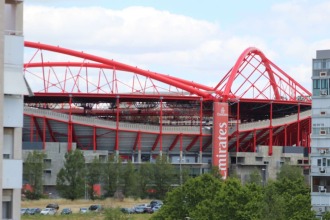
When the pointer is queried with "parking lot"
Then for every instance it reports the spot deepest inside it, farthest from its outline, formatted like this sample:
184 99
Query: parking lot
77 205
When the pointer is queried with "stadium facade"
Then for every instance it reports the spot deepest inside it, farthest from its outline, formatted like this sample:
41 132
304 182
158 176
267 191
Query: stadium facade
256 117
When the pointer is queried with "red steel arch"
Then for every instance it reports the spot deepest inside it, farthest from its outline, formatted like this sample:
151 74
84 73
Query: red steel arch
279 84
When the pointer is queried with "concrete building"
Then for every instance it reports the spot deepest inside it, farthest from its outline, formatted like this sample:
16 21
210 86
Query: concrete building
244 163
320 138
12 89
54 161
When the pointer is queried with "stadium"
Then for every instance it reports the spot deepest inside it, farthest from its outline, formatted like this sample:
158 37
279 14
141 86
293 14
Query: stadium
101 105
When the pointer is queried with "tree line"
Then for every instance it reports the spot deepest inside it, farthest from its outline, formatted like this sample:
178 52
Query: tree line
77 179
209 197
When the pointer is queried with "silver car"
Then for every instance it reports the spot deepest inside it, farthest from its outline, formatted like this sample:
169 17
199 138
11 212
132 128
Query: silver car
48 211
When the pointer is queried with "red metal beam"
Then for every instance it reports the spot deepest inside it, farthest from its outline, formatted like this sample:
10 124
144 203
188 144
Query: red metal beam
192 143
155 143
175 141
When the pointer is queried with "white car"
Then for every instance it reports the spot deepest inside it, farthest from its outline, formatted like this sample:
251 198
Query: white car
48 211
83 210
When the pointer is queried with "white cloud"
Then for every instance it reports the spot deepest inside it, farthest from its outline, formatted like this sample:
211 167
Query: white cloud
197 50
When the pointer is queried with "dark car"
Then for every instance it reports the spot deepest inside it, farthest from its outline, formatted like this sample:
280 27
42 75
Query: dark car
95 208
154 203
127 210
148 209
34 211
24 211
66 211
53 205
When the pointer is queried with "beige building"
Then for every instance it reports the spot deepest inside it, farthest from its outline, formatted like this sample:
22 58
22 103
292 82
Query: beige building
12 89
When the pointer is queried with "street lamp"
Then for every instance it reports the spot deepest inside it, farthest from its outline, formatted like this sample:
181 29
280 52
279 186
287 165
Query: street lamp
263 176
180 165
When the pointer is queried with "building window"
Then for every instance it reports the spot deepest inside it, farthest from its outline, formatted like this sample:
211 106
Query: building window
319 162
317 65
316 84
327 64
328 162
7 210
259 158
323 84
324 162
240 160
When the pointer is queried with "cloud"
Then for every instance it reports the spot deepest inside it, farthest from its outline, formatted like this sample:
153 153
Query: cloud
288 33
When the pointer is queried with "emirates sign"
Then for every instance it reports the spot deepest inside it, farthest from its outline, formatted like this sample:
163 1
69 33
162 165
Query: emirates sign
220 137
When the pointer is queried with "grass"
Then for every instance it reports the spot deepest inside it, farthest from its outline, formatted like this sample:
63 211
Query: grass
75 205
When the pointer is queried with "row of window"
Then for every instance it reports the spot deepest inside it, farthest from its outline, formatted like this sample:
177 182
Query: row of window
321 83
323 162
321 64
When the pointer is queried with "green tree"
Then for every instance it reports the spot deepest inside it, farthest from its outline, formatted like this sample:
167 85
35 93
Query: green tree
145 179
33 172
93 177
164 176
290 172
129 177
182 201
232 201
326 216
111 174
288 197
255 177
70 180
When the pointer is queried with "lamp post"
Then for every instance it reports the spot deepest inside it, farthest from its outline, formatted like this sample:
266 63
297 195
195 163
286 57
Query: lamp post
180 165
263 176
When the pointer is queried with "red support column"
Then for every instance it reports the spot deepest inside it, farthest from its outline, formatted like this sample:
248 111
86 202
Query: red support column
117 126
309 133
181 147
94 139
201 130
285 136
139 146
298 126
70 125
31 128
44 134
270 144
237 128
161 127
254 140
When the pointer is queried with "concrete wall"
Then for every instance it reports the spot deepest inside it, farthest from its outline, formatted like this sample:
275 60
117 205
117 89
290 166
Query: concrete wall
243 163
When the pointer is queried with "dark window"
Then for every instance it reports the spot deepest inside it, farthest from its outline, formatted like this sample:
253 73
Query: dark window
316 84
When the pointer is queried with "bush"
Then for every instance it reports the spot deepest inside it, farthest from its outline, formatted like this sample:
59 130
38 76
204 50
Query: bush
115 214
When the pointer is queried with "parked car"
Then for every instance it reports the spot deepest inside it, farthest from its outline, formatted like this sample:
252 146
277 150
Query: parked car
48 211
83 210
53 205
24 211
139 209
127 210
156 203
95 208
148 209
66 211
156 208
34 211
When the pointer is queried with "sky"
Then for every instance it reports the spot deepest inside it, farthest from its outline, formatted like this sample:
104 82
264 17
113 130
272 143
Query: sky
195 40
